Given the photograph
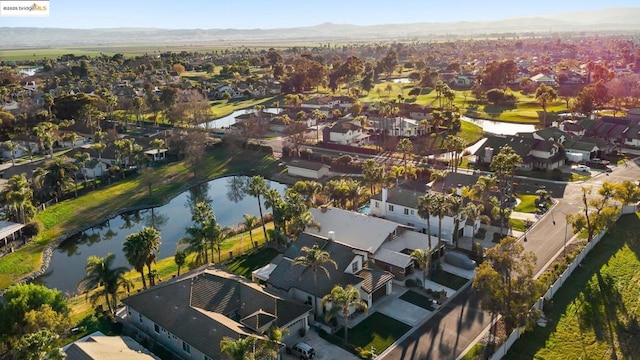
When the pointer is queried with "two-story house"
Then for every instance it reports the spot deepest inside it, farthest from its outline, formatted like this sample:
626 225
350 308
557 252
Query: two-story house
535 153
191 314
344 133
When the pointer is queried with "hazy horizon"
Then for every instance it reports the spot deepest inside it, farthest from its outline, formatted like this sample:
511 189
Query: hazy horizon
275 14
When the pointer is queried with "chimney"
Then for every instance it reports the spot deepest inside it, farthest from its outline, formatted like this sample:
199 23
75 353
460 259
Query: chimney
331 235
384 199
459 190
323 209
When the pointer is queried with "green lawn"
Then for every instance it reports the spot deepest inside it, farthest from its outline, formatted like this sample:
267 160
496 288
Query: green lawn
594 315
449 280
527 203
417 299
377 330
517 224
75 213
470 132
244 265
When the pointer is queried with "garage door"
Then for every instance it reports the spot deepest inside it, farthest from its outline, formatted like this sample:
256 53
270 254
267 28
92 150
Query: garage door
378 294
295 327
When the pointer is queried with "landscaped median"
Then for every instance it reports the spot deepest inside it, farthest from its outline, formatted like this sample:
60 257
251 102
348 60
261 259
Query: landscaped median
76 214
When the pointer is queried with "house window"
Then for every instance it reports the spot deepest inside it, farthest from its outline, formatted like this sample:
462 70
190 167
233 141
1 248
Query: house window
186 347
354 267
309 300
390 207
377 204
406 211
156 328
412 212
140 317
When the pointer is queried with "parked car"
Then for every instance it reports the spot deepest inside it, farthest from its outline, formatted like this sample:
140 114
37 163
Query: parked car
597 163
583 168
304 350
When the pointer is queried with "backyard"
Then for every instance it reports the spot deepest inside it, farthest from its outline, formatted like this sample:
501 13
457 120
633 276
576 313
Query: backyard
594 315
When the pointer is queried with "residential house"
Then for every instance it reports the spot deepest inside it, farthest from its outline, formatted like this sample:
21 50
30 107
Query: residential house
97 346
400 204
580 151
344 133
541 79
191 314
28 143
308 169
535 153
300 283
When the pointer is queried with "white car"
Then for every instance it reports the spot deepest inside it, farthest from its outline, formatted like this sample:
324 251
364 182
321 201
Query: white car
583 168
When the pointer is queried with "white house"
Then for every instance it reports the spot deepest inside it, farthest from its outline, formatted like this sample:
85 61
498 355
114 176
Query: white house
308 169
401 205
540 79
97 346
344 133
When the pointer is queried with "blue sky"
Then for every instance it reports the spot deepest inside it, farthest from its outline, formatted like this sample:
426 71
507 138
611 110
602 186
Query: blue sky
267 14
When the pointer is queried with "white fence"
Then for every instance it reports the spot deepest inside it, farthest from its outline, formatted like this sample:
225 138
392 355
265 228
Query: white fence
515 335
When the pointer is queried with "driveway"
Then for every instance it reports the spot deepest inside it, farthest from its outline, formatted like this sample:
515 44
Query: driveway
324 349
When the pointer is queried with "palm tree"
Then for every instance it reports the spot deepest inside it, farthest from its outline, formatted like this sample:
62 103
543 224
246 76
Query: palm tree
180 257
405 147
438 176
439 210
12 147
71 137
424 261
49 100
454 207
256 188
545 94
484 186
250 222
473 212
195 243
133 249
314 258
19 196
240 349
58 176
425 205
101 273
82 158
342 300
147 241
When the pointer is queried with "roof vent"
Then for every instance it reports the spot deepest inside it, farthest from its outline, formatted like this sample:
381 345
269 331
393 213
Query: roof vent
331 235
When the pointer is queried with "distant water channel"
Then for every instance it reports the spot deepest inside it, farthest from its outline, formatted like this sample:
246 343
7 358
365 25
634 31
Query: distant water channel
67 265
230 119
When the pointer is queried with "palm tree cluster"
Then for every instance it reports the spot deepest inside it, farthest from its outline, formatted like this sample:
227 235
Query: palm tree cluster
140 249
345 193
108 280
205 234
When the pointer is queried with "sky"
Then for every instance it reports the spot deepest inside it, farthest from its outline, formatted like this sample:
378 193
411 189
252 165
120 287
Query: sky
269 14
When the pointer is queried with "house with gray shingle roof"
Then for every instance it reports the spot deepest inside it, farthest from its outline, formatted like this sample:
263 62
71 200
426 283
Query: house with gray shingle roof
535 153
191 314
353 268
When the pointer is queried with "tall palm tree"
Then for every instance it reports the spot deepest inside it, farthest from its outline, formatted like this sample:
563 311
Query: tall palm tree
250 222
423 257
82 158
405 147
425 205
474 212
147 241
19 195
342 300
440 210
545 94
59 175
454 207
100 273
484 186
195 243
133 249
180 257
12 147
314 258
258 187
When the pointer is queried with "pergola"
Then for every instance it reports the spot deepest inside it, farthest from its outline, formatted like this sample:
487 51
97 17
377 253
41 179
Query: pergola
8 231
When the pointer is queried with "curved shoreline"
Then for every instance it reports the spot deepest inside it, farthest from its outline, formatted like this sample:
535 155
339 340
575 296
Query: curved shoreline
47 253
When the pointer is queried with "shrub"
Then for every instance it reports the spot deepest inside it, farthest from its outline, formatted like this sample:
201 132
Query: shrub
32 229
343 160
410 283
482 232
556 174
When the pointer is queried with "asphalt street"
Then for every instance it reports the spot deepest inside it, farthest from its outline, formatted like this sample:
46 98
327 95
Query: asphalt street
449 332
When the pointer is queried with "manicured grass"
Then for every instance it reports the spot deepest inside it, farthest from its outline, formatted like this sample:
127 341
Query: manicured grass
377 330
474 353
80 212
244 265
594 315
527 203
517 224
418 300
470 132
449 280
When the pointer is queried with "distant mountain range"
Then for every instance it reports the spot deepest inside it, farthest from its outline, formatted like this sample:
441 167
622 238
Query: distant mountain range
613 19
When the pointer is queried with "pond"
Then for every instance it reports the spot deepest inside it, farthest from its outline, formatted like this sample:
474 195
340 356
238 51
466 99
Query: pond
68 261
500 127
230 119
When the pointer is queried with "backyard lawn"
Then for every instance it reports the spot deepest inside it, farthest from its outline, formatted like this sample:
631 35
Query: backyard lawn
595 314
377 330
244 265
449 280
417 299
527 203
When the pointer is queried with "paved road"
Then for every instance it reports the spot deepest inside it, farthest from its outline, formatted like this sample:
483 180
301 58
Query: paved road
449 332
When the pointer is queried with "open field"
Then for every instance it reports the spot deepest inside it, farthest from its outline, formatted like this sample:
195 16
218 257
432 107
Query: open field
594 315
